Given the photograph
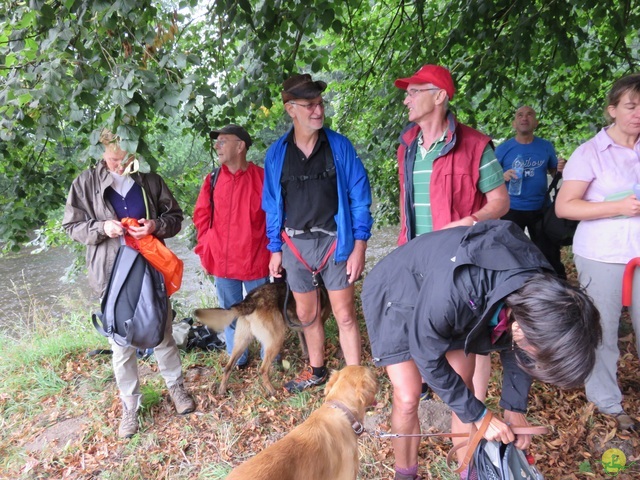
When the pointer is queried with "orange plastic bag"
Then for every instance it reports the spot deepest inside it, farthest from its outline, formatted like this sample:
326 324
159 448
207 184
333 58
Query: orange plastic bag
158 255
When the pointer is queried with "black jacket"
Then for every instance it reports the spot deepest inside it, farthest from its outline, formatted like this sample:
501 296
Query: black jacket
442 289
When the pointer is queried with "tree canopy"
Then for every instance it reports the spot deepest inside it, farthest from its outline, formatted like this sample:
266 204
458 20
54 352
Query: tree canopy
163 73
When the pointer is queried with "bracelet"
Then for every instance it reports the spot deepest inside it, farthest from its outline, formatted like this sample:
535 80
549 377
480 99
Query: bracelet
475 218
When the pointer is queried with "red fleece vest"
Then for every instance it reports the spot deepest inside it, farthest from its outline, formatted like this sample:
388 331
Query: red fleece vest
454 180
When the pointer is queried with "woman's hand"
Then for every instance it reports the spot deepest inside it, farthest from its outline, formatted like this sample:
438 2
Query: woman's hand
629 206
497 430
515 419
113 228
146 227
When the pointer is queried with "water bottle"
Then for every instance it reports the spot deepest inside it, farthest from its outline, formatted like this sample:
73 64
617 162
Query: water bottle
515 184
636 190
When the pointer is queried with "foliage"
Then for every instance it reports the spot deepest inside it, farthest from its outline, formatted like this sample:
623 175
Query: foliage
69 69
144 68
183 161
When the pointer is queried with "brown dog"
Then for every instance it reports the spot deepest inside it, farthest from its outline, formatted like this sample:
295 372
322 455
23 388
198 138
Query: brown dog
325 446
259 315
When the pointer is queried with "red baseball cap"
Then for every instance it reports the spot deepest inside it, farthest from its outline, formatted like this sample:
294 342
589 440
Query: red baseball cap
439 76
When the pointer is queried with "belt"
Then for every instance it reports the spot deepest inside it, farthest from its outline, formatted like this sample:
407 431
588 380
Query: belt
292 232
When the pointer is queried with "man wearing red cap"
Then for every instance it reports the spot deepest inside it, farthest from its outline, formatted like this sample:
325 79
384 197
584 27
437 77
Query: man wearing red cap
317 200
449 177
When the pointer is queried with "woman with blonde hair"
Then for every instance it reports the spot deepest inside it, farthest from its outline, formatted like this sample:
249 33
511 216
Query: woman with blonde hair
98 199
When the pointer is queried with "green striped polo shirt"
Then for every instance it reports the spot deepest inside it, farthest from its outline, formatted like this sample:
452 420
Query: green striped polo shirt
490 178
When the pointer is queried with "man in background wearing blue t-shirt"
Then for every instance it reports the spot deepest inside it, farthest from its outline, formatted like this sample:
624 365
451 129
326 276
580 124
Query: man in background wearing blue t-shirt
535 158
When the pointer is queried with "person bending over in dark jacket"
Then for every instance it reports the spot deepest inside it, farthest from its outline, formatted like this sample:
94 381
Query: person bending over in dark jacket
446 296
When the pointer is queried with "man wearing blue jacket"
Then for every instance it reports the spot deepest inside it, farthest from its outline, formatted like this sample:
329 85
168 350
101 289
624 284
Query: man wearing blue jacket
317 200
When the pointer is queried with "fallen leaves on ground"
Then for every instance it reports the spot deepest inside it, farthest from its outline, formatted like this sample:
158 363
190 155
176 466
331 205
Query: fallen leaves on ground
227 430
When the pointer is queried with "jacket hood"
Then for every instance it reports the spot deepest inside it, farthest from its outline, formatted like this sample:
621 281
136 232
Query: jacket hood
503 250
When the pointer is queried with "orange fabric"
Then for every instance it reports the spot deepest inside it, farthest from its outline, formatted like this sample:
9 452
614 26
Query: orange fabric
158 255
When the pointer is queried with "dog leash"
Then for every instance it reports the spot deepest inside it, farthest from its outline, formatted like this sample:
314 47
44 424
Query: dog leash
530 430
314 279
425 435
472 443
296 253
357 427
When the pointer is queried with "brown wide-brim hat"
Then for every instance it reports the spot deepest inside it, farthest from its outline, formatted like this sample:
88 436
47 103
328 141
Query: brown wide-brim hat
232 129
302 86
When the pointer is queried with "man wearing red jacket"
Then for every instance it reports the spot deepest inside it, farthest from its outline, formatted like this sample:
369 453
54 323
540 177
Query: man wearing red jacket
231 225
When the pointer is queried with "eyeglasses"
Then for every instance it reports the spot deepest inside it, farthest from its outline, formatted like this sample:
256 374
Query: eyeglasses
221 143
413 91
310 106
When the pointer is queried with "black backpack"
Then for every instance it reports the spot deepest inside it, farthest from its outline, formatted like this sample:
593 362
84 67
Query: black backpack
559 230
134 306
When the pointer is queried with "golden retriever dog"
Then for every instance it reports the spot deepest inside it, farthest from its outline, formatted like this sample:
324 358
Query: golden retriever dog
259 315
325 446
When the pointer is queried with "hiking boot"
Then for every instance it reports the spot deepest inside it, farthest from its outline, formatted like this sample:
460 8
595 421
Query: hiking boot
181 399
128 423
305 380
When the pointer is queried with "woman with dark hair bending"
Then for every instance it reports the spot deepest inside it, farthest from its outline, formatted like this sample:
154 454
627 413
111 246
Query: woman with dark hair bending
598 189
446 296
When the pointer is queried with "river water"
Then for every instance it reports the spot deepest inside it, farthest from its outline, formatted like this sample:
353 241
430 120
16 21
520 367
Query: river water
33 292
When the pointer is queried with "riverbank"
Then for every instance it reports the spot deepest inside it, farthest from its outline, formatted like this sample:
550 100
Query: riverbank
35 287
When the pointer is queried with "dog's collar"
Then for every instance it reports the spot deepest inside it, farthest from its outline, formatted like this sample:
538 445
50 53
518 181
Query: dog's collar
357 427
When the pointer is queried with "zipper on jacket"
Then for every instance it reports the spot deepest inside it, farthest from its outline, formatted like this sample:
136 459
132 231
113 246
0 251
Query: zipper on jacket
398 304
226 247
472 304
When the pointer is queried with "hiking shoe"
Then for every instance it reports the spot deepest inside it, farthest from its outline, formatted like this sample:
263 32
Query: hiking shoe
426 395
128 423
624 421
305 380
181 399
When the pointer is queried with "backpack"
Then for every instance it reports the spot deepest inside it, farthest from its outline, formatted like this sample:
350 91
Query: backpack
214 179
134 306
559 230
190 337
497 461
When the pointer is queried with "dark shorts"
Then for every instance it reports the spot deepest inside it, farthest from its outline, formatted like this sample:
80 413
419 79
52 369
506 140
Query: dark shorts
313 250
